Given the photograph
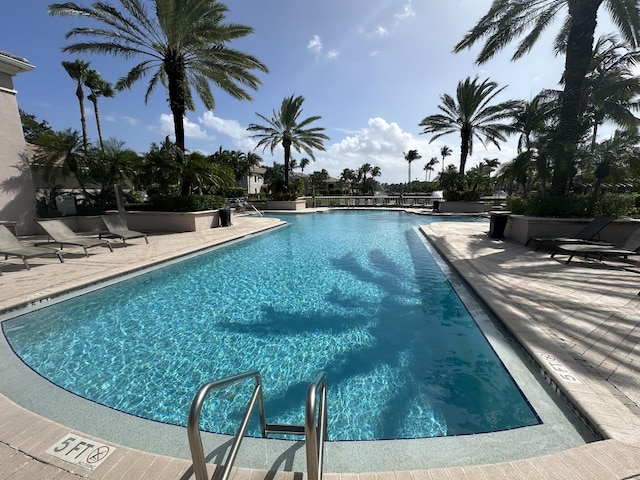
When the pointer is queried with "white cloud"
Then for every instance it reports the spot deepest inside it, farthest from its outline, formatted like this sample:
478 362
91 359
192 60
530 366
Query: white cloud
315 45
406 12
381 144
165 128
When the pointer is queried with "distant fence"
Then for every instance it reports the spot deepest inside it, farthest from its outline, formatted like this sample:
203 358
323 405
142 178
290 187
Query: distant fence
409 201
373 201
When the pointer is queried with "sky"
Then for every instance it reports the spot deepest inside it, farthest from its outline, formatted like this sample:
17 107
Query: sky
371 69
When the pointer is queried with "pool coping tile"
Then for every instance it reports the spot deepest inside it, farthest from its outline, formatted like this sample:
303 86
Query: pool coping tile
24 436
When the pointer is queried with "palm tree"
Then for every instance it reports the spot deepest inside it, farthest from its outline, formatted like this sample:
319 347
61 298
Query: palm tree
284 128
60 154
611 89
471 114
304 163
183 46
99 88
507 20
428 168
364 169
347 177
79 72
445 151
410 156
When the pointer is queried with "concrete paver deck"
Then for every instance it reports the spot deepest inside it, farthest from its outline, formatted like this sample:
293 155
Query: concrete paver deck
579 322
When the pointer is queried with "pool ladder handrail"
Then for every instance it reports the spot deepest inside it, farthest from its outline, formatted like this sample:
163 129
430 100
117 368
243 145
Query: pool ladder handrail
315 434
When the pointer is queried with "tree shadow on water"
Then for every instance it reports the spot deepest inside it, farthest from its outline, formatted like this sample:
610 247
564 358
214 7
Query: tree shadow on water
409 328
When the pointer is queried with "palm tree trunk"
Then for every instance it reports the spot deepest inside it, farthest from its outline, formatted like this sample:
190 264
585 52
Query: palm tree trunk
94 100
83 119
579 50
464 149
286 144
175 71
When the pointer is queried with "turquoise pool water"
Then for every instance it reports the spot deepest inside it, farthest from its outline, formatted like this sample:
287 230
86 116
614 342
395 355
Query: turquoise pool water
352 293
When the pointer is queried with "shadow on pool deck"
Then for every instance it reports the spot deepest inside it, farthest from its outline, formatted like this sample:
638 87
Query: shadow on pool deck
577 320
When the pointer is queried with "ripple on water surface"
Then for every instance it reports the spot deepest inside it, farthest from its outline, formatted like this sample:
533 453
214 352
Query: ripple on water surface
354 294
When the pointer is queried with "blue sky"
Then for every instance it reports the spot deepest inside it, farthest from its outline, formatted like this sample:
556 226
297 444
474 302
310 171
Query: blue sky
372 69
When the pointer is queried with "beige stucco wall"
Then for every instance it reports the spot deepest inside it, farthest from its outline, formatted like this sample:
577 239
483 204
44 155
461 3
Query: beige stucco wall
17 193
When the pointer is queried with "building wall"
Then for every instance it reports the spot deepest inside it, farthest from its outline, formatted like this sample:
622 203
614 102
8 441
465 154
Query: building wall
17 193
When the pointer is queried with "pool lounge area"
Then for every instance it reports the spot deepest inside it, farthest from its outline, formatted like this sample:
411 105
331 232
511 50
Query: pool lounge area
596 343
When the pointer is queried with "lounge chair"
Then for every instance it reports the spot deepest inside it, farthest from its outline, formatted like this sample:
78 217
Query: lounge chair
63 235
118 228
10 245
585 236
629 247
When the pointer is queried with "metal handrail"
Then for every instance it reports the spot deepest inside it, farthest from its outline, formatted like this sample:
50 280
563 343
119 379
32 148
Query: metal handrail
315 435
193 422
257 211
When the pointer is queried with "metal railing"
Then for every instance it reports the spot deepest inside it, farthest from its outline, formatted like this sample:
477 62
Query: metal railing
315 433
193 422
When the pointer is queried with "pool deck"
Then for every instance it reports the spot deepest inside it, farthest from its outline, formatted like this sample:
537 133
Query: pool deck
579 322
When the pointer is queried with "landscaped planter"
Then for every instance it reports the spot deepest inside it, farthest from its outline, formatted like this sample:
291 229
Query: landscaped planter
463 207
173 221
520 227
299 204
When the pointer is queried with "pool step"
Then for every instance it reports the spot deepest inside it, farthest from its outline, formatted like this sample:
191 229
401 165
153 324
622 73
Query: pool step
284 429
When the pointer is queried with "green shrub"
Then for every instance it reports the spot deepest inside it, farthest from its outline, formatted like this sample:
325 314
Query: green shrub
616 205
189 203
517 204
463 195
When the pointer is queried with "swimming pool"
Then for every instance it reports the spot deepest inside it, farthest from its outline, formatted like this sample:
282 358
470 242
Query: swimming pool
373 310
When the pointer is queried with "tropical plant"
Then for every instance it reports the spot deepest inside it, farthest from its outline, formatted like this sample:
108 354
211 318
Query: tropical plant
59 154
612 90
79 72
31 127
445 152
183 46
472 115
347 178
411 156
109 165
450 179
161 169
286 129
507 20
317 181
428 168
98 88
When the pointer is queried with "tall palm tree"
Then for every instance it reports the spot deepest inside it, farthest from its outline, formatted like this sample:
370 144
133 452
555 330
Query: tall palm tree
99 88
363 171
411 156
183 45
471 114
507 20
445 151
428 168
286 129
79 70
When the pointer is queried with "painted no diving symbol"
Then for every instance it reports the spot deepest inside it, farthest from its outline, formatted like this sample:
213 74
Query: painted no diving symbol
98 454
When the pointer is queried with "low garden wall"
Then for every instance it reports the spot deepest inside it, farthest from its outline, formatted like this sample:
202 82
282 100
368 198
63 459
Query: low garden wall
520 227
